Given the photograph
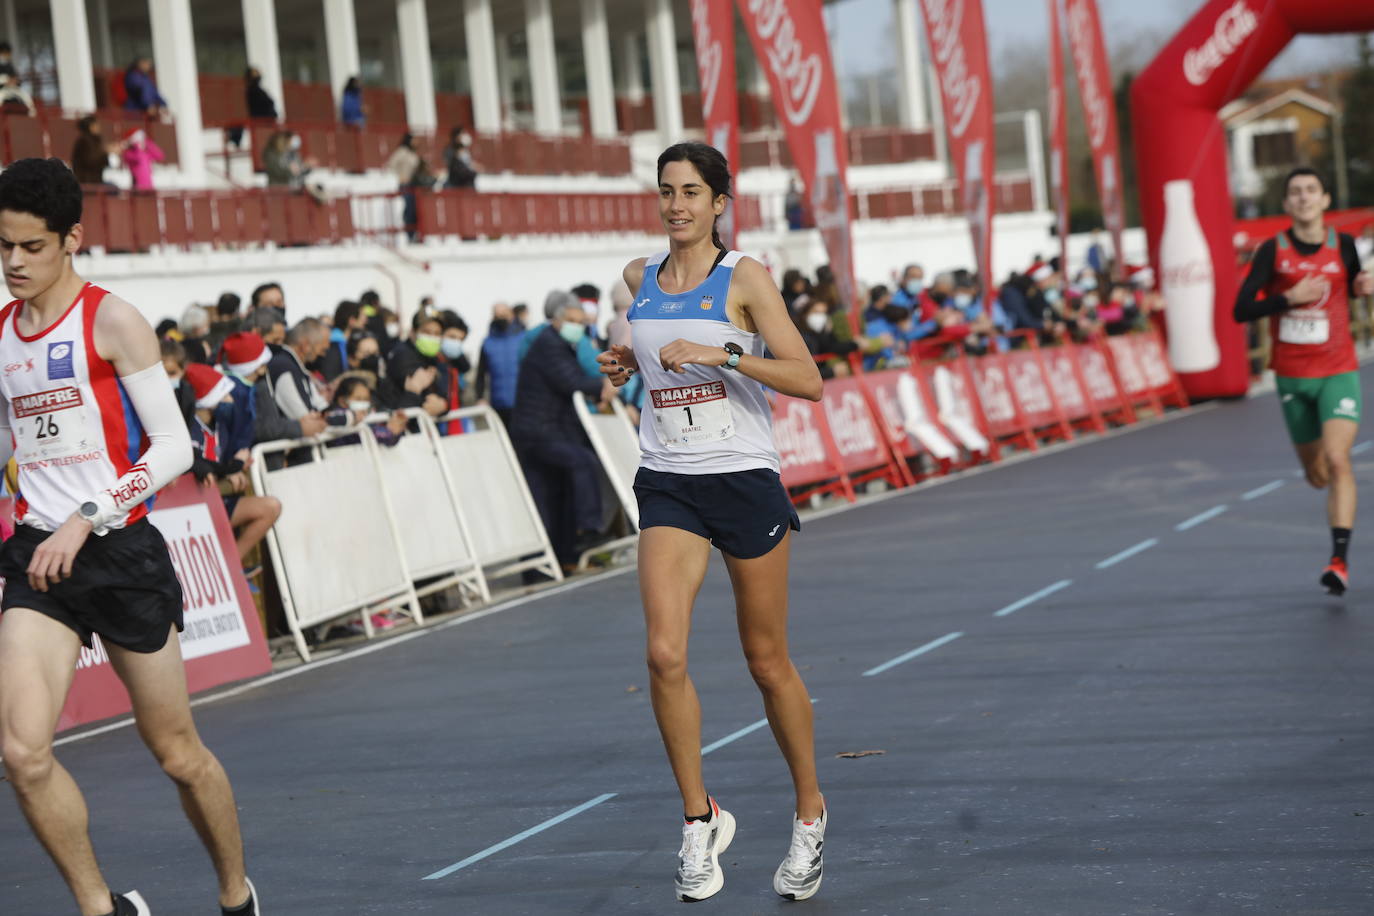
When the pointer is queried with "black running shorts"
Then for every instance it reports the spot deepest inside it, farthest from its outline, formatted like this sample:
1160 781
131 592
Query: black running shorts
743 513
122 586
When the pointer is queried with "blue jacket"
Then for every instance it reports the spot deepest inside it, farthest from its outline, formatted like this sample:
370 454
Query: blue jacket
351 107
500 361
543 400
141 91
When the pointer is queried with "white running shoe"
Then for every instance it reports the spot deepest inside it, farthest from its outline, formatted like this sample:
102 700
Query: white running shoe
799 875
131 904
698 870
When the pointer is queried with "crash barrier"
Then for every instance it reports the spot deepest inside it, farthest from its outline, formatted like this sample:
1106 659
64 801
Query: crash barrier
222 640
616 443
419 494
901 426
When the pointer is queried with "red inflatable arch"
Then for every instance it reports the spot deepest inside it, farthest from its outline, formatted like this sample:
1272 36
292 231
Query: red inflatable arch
1180 145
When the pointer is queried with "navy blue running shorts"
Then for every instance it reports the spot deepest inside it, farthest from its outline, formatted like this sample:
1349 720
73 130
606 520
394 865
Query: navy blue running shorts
123 586
742 513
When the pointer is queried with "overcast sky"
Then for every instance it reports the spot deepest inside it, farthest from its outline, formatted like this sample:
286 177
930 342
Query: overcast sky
863 27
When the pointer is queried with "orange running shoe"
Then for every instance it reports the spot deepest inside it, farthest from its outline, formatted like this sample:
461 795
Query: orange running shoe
1336 577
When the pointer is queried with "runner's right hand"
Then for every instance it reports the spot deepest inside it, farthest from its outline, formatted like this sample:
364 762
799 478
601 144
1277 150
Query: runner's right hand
618 364
1309 289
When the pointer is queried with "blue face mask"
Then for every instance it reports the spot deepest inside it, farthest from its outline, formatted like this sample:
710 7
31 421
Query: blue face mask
914 287
1051 296
451 347
1087 283
571 332
962 300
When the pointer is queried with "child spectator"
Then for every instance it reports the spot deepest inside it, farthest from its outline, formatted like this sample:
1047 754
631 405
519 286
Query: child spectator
140 152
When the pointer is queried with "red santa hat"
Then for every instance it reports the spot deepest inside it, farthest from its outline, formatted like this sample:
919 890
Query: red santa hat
244 353
210 385
135 134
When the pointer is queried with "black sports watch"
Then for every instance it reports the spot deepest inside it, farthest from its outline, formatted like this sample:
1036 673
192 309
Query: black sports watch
735 351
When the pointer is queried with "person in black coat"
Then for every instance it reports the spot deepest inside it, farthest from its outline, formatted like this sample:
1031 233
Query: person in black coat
563 472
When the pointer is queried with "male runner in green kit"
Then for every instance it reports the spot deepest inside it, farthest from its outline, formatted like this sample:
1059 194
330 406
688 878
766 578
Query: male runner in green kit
1309 274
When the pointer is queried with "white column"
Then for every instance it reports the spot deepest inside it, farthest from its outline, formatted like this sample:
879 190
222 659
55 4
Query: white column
631 72
911 92
75 74
596 52
1035 160
417 67
542 59
260 33
104 44
482 72
174 56
341 40
663 70
11 29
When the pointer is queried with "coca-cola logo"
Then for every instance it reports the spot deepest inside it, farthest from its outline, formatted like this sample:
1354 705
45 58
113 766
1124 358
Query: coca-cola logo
1065 383
1232 27
1197 272
798 72
1126 367
798 440
1098 376
961 87
850 424
710 57
1152 361
891 411
1082 40
997 403
1030 386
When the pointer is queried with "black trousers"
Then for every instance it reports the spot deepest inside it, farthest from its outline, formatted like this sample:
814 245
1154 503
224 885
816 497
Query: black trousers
565 481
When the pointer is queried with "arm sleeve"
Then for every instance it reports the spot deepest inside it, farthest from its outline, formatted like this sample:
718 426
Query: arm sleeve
566 376
169 443
1350 256
1248 307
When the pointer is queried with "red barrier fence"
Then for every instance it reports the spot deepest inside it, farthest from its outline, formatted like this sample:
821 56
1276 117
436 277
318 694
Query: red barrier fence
904 425
222 641
48 134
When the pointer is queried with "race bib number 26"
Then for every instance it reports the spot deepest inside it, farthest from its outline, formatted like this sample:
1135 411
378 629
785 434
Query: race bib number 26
692 414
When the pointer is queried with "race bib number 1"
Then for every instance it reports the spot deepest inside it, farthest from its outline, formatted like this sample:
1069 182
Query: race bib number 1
692 414
1295 330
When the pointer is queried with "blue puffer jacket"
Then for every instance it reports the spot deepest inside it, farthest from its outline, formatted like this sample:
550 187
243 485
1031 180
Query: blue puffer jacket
501 358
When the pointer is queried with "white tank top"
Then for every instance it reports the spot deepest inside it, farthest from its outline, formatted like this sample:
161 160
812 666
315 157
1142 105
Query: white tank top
75 431
708 420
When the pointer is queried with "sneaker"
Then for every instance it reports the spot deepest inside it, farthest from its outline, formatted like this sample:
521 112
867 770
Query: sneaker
799 875
248 908
131 904
1336 577
698 869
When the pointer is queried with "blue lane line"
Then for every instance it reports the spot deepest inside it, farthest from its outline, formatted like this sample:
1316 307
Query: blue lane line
519 837
1200 518
1127 553
1363 447
1260 491
921 650
1031 599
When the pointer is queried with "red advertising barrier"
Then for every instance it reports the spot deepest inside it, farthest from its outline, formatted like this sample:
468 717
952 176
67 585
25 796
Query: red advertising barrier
1071 388
223 639
1034 395
961 404
884 391
810 461
1103 385
863 448
1165 384
1129 373
993 389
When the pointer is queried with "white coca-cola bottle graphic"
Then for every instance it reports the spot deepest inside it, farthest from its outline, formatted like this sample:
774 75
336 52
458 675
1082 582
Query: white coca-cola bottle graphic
1187 283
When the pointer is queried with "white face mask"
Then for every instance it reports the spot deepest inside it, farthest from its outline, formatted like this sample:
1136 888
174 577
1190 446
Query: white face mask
360 406
818 321
393 330
295 141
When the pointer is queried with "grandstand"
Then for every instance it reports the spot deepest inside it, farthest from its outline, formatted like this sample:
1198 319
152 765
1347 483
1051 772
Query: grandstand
568 102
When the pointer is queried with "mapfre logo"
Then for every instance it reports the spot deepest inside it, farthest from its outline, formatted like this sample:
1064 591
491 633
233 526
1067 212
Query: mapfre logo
1232 27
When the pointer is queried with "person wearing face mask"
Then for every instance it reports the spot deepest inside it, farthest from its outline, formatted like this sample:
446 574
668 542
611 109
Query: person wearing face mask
462 173
499 364
352 403
813 321
364 356
294 390
591 344
911 292
348 320
1045 300
413 370
453 362
563 472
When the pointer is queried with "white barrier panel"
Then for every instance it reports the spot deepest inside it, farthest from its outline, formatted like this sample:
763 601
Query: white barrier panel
507 534
434 532
336 548
616 443
918 422
956 414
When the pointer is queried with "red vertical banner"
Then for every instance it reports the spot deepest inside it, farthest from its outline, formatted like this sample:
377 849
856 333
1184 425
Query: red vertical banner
713 29
959 48
1099 112
1059 136
789 37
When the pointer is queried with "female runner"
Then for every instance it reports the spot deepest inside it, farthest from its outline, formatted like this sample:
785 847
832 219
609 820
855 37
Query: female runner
709 476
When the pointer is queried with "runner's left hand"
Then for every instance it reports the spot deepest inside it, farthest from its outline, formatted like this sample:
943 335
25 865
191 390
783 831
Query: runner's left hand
52 561
1364 283
682 353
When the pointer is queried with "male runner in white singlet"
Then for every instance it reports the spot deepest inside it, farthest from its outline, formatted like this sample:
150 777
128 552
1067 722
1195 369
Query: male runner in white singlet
95 431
